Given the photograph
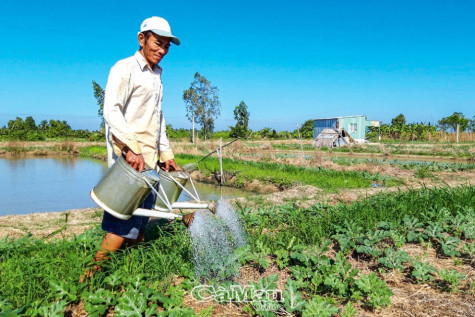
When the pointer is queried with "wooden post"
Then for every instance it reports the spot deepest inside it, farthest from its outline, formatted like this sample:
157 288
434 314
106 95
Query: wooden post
458 132
301 145
221 160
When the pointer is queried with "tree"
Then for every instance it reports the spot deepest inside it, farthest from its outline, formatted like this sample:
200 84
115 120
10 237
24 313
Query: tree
30 124
17 124
452 121
58 129
398 126
472 124
306 130
99 95
241 115
177 133
400 120
23 130
202 104
43 126
265 133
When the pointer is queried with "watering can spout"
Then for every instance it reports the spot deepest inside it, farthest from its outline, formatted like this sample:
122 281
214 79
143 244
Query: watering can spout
212 207
188 218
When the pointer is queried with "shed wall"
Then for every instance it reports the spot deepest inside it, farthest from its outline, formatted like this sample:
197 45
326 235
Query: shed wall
320 124
361 124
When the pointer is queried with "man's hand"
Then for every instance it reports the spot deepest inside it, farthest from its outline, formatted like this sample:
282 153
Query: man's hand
169 165
135 160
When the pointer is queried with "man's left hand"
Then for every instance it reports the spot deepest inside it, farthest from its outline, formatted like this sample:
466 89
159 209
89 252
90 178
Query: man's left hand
169 165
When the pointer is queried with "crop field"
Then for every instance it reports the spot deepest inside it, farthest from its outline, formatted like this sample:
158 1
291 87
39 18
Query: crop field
326 236
347 259
462 150
285 175
249 162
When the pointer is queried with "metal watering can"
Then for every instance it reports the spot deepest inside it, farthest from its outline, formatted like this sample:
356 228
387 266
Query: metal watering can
121 191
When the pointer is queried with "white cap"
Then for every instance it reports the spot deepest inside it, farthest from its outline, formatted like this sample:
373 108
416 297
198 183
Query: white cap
160 27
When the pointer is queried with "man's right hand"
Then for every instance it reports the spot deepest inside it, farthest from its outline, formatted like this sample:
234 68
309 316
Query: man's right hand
135 160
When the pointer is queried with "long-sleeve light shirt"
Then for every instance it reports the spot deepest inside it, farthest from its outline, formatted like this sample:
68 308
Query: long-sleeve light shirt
133 111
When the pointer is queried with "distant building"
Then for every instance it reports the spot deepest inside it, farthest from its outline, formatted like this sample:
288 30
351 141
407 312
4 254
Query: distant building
355 126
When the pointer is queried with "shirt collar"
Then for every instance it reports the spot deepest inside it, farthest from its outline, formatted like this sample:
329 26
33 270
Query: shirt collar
143 63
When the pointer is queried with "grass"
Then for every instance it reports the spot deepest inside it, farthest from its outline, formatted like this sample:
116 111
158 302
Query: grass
93 151
29 265
409 165
15 147
444 150
70 147
292 146
41 278
284 176
417 149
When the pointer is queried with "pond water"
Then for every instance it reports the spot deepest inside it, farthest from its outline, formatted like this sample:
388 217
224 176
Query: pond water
60 183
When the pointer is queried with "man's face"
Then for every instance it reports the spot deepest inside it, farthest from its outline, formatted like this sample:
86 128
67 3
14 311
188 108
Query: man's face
154 48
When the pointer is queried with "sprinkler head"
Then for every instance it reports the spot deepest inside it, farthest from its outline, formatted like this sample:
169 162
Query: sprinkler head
188 219
212 207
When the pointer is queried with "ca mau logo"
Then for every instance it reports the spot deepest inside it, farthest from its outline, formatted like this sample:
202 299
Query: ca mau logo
237 294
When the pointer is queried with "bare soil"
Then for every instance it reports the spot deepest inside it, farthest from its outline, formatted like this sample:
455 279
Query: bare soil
50 225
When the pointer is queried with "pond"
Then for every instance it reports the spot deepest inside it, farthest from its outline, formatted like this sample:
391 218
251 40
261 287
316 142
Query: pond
42 184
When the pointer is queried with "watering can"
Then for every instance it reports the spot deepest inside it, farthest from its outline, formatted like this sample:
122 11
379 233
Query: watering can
121 191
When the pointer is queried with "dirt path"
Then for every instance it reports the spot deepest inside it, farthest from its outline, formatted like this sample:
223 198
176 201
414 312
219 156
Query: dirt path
49 225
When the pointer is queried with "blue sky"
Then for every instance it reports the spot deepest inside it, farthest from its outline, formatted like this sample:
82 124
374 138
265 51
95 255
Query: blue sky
288 60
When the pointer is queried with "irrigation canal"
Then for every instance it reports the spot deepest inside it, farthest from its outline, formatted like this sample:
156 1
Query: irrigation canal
41 184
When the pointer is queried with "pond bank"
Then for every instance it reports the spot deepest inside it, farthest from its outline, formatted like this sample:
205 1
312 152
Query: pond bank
50 225
95 150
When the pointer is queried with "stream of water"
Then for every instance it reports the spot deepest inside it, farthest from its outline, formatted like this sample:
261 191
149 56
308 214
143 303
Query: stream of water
214 238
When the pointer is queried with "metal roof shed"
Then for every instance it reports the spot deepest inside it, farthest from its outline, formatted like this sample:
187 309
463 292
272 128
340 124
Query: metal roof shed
332 138
356 126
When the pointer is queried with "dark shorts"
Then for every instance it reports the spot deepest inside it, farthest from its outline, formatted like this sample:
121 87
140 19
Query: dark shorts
131 227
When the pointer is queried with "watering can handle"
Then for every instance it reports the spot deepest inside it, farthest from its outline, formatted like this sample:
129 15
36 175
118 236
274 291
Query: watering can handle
124 155
165 201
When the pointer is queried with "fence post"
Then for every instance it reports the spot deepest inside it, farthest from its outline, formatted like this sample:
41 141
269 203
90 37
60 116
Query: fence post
458 132
301 145
221 181
193 129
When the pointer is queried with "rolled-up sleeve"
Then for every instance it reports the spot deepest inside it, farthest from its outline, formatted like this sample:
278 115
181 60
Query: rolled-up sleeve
116 94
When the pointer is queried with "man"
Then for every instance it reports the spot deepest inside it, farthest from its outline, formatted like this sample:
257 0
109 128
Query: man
135 126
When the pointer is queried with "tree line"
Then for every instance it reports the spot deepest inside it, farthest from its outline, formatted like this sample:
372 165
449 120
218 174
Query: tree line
400 130
28 130
203 104
203 107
